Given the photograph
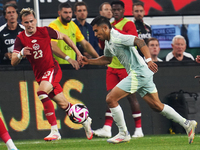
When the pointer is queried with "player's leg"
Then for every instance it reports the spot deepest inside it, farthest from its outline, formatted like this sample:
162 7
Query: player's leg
167 111
136 113
65 105
44 88
112 100
135 107
6 137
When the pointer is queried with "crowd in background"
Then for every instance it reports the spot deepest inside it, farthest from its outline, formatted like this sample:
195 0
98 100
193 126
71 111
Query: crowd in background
10 28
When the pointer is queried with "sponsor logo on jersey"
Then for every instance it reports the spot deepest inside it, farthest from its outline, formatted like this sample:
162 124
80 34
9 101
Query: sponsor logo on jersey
6 34
36 46
144 36
9 41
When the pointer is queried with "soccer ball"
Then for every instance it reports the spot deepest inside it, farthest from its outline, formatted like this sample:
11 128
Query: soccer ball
78 113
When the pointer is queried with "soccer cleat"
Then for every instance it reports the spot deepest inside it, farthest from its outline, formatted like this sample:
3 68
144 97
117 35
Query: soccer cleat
191 130
87 127
53 136
102 133
120 138
138 134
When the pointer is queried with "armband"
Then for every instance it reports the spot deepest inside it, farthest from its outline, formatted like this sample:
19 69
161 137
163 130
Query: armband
148 60
22 52
67 58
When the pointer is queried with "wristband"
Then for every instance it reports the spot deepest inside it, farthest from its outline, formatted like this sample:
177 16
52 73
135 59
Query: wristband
67 57
148 60
19 55
22 52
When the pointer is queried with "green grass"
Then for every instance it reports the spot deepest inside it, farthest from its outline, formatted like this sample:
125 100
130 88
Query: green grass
149 142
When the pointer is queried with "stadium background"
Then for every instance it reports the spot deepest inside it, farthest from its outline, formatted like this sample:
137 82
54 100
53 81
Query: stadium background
23 113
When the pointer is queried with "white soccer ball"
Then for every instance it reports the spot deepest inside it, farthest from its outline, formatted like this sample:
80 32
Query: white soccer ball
78 113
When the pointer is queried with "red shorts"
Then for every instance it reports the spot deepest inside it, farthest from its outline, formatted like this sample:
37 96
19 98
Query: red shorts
53 75
114 76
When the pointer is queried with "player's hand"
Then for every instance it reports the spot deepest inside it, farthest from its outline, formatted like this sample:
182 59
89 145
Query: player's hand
27 51
197 59
74 63
153 66
8 55
79 59
85 61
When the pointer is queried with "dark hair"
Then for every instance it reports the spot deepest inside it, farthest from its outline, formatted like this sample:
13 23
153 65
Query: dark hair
138 4
100 7
9 5
26 12
64 5
7 1
117 2
152 39
100 20
79 4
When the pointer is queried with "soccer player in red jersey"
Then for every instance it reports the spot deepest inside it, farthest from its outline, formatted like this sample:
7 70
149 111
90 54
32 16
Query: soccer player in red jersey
35 44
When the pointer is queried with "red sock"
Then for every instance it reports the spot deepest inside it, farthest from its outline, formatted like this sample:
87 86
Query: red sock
3 132
108 118
137 118
48 107
68 107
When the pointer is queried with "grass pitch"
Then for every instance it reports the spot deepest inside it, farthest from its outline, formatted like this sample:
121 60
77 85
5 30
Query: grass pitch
149 142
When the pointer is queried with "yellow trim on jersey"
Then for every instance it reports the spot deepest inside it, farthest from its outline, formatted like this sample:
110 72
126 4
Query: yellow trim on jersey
115 62
73 32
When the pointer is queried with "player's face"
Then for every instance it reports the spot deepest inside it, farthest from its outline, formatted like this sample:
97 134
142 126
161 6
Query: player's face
179 46
65 15
138 12
100 32
29 22
154 47
106 11
11 15
81 12
118 11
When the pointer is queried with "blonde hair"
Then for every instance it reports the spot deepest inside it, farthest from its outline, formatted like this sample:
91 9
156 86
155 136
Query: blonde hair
25 12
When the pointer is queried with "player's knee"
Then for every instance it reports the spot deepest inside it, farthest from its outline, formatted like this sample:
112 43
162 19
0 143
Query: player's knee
157 106
42 95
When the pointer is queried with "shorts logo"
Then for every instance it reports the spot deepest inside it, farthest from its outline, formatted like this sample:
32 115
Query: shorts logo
36 46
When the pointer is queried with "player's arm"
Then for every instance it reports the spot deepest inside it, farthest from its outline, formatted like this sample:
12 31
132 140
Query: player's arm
88 47
69 42
57 51
102 60
18 55
145 51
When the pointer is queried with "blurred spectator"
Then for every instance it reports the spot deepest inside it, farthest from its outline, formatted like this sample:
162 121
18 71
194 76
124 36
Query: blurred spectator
8 32
178 53
143 29
80 11
106 11
65 25
154 49
2 19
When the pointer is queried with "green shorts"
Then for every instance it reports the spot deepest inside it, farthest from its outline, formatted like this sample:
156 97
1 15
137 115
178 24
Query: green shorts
137 83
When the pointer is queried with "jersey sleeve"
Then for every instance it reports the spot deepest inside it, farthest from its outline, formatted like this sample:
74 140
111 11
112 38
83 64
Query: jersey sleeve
53 33
79 35
130 28
55 27
18 45
123 39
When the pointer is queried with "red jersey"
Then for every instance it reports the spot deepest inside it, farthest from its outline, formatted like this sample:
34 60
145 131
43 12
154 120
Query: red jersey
41 57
